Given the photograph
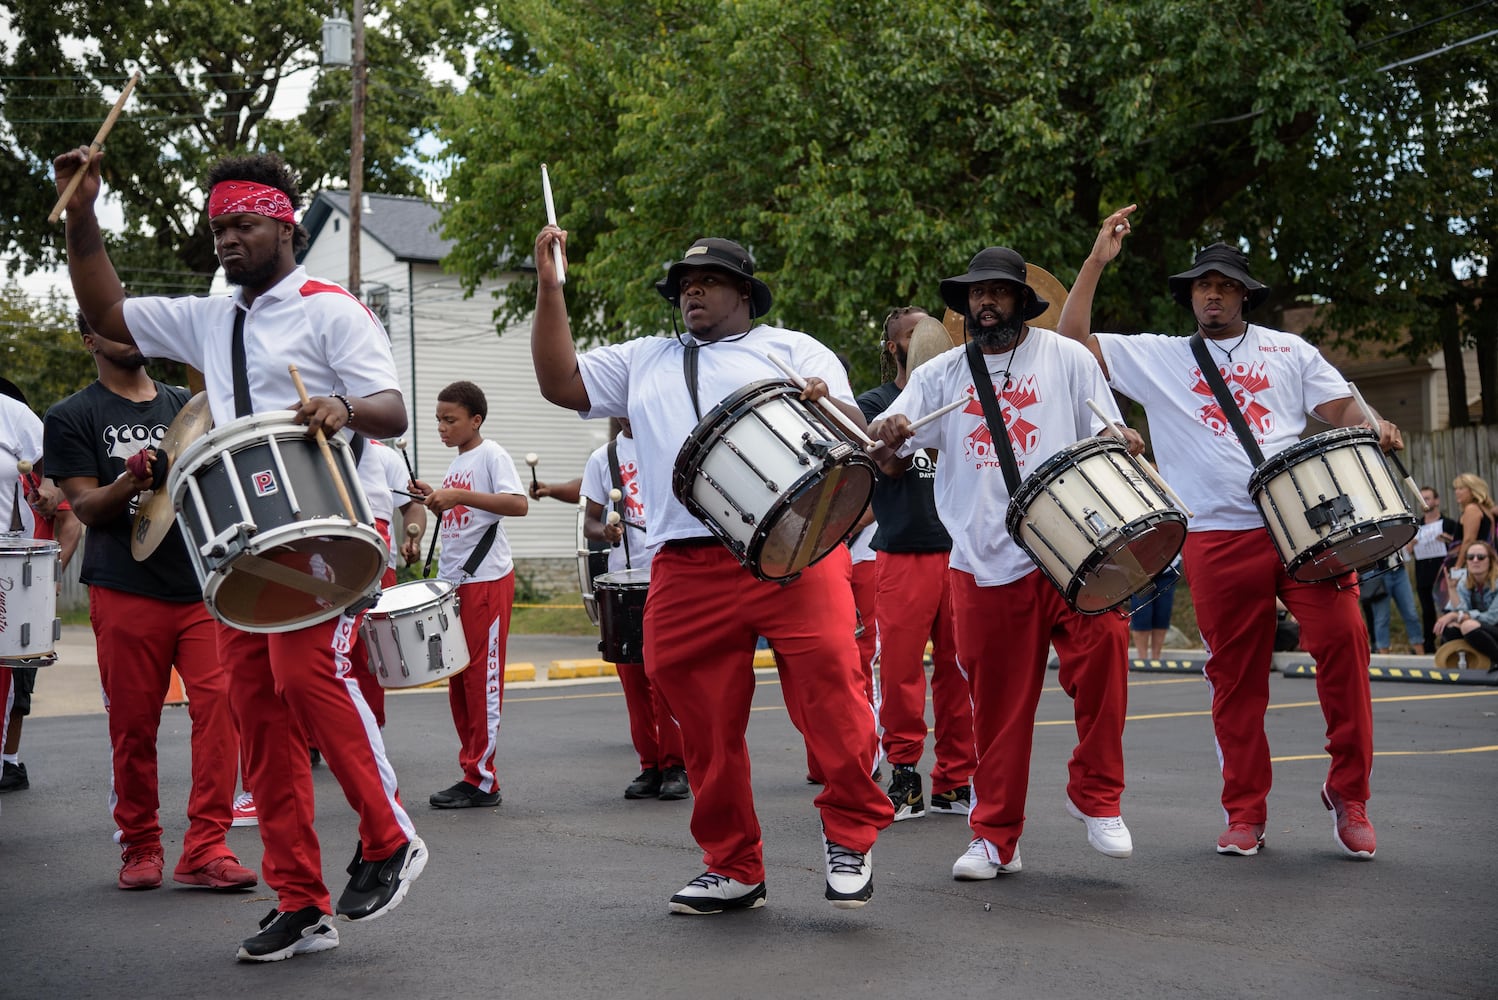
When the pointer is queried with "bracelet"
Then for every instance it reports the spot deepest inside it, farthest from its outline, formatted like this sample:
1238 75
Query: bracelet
347 406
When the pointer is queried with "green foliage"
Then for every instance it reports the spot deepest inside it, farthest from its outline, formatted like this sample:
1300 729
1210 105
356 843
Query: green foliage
40 350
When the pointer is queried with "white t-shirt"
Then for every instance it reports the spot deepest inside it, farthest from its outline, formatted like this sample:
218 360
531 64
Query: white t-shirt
380 471
860 545
487 468
644 381
598 481
1276 378
336 343
20 439
1044 404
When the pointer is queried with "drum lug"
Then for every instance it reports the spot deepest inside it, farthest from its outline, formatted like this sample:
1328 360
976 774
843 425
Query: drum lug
442 619
1329 512
56 629
25 631
1095 522
434 654
229 542
26 576
421 631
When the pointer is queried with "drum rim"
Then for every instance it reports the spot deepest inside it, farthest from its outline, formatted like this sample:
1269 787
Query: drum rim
440 591
19 544
631 584
1278 463
757 541
1295 565
284 422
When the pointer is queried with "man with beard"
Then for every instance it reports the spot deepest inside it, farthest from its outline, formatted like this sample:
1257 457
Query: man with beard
1232 566
286 687
1007 612
705 610
913 604
148 617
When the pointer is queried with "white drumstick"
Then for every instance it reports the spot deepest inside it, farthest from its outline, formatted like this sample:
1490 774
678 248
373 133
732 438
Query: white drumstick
828 406
923 421
615 496
613 517
1372 418
551 217
1149 470
23 467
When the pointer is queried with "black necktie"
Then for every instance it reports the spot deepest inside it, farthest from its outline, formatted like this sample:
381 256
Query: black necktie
242 406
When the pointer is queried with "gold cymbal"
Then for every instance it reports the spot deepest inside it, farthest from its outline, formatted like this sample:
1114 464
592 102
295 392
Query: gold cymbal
155 515
929 338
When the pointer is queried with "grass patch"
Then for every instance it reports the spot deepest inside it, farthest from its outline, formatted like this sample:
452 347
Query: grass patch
561 615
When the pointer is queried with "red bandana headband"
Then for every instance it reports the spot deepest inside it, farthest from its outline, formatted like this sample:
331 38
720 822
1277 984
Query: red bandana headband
230 197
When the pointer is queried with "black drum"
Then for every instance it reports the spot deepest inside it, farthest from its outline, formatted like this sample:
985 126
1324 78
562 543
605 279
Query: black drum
621 614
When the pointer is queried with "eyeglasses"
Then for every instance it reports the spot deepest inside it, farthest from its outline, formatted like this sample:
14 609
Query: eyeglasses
1477 557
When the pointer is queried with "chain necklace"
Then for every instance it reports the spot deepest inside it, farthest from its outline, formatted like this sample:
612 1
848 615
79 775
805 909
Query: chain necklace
1229 350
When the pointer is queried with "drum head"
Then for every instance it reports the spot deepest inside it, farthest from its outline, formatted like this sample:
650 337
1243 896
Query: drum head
625 579
305 579
813 521
1112 576
16 545
406 596
1349 551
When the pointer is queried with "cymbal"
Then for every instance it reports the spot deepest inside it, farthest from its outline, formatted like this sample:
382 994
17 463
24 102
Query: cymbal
155 515
928 339
1046 285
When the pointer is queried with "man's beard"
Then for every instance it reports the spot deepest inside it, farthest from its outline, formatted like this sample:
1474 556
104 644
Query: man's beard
1002 336
902 356
254 277
132 361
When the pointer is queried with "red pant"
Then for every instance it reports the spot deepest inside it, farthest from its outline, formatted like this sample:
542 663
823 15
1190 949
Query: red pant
915 604
285 684
865 599
358 655
702 617
1003 635
139 640
1234 578
656 736
477 693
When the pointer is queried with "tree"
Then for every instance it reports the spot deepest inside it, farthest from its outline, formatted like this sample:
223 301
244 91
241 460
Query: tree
40 350
212 70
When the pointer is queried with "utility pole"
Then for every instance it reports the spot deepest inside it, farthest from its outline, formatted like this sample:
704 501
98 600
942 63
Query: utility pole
356 152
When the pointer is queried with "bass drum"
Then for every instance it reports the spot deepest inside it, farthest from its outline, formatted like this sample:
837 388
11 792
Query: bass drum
592 562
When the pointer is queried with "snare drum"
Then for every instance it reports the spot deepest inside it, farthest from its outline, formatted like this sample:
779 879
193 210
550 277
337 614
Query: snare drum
266 530
592 562
621 614
415 635
29 626
774 478
1331 504
1095 524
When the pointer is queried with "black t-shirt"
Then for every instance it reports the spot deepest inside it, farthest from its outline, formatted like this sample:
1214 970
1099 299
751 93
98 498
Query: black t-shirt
905 507
90 434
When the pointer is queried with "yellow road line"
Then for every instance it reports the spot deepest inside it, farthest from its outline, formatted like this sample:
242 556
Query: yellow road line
1391 753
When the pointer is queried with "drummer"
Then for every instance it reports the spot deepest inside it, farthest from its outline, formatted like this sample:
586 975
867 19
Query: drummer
1007 613
705 610
1232 567
283 684
148 618
656 736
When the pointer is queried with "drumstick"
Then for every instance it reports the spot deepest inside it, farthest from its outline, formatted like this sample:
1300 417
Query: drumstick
413 531
400 445
94 147
551 217
1149 470
426 570
829 407
933 415
531 458
615 496
1372 418
327 452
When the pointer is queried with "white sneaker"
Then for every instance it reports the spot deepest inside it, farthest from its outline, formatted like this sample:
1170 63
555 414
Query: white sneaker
850 875
714 893
1106 834
244 811
982 862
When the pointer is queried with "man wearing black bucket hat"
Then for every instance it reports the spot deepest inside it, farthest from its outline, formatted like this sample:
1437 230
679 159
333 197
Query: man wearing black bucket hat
1232 566
704 609
1007 613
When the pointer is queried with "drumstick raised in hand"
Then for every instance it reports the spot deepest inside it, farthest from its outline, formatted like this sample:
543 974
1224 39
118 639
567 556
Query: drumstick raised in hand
400 446
93 148
1149 470
551 218
327 451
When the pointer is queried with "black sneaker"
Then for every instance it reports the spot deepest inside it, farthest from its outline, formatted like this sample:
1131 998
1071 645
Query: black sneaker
955 802
905 793
674 784
285 934
377 887
646 786
464 796
13 778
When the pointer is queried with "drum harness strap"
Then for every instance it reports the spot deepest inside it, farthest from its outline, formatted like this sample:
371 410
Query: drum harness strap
993 416
618 479
1225 399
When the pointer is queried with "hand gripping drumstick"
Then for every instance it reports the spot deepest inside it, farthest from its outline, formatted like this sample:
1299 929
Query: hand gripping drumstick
838 416
1372 418
551 217
531 458
327 452
94 147
615 496
1149 470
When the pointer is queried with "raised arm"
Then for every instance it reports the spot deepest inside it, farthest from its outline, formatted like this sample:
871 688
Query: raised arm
96 286
1076 314
552 350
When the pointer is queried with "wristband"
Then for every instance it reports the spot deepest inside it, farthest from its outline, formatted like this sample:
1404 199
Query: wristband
347 406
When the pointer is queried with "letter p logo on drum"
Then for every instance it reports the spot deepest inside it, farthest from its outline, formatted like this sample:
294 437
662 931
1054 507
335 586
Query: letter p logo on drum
264 483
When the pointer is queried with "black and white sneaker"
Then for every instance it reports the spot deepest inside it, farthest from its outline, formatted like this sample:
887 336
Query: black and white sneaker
850 875
377 887
905 792
956 802
714 893
285 934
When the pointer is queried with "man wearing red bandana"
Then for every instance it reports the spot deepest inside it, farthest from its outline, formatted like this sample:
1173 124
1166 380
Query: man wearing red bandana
288 687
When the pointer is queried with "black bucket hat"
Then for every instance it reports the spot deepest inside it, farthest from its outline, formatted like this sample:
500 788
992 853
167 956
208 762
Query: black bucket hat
992 264
724 255
1225 260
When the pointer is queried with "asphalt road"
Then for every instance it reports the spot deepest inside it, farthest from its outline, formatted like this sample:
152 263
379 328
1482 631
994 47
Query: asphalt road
561 892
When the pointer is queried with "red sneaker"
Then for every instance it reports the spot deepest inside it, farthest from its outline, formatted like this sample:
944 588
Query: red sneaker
142 867
220 873
1350 826
1241 838
244 811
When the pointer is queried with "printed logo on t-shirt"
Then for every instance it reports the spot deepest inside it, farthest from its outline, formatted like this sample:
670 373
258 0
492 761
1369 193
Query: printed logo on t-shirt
264 483
629 478
124 440
1024 436
1245 380
459 517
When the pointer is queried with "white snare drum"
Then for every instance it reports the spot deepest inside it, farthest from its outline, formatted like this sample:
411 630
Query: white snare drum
1095 524
265 527
29 626
592 562
1331 504
414 634
621 614
774 478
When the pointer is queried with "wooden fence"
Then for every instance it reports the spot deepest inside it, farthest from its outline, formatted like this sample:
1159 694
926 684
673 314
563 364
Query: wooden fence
1436 458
